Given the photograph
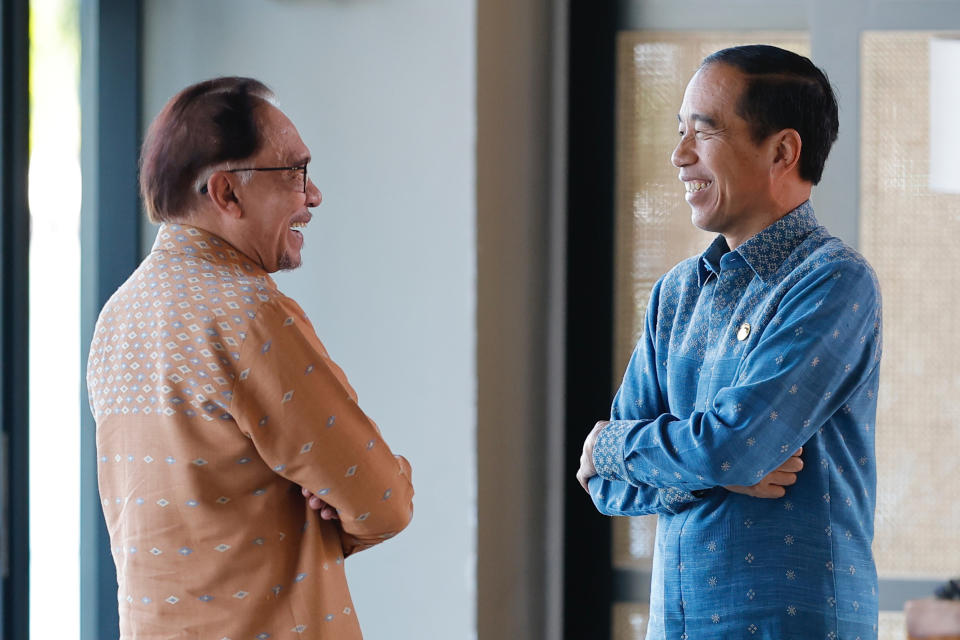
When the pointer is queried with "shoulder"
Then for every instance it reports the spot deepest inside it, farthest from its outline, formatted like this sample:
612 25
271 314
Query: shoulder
830 263
830 255
278 305
832 250
278 313
139 285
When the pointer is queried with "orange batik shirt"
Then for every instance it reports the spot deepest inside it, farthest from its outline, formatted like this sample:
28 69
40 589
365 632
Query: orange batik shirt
215 402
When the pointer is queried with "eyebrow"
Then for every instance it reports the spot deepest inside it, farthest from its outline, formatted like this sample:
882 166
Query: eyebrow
707 120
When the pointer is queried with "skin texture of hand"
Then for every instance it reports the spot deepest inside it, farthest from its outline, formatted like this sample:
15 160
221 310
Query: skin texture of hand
587 469
326 511
774 483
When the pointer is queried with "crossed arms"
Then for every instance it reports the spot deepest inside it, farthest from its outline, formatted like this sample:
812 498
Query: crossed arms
809 362
297 407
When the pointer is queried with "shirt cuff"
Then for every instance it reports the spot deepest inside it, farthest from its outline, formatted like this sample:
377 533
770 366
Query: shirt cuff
608 451
673 496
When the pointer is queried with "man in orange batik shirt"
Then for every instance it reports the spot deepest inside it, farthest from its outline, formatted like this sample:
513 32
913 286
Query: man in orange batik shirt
236 469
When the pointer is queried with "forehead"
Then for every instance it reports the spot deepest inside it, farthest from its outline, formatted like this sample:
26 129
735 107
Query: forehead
281 140
713 92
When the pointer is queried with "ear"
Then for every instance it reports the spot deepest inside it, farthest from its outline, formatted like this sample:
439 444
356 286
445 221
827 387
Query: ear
220 191
786 151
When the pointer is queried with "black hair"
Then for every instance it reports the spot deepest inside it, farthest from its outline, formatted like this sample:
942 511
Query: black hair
785 90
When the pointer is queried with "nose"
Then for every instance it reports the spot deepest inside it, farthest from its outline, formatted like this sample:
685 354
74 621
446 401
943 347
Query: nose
314 197
682 154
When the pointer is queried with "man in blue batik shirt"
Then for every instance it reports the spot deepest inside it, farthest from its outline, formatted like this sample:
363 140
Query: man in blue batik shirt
763 349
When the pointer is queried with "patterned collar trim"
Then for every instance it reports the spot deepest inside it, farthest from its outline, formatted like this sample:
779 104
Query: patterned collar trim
193 241
766 251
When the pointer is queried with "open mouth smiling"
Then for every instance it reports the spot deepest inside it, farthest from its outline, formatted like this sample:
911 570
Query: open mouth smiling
692 186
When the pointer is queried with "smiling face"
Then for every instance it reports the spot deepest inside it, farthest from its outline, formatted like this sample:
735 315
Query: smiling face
273 203
727 175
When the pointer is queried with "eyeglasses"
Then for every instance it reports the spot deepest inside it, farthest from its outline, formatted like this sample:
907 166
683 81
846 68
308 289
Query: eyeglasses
299 168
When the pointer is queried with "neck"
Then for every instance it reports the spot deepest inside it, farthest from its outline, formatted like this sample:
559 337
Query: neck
777 210
208 222
792 196
211 224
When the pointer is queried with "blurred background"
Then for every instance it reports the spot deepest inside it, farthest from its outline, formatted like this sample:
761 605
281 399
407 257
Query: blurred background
498 201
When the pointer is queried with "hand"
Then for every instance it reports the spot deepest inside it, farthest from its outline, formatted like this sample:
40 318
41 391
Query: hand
405 465
772 485
587 470
326 511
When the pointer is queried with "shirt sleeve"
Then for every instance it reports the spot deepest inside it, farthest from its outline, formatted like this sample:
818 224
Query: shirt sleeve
620 498
639 399
817 351
297 407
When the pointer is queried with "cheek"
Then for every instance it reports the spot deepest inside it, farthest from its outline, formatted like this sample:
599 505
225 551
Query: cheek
715 162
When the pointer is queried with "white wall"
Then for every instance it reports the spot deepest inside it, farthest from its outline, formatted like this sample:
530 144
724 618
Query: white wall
383 92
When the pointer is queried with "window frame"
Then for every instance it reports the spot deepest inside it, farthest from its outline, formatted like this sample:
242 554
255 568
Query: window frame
588 575
14 317
110 214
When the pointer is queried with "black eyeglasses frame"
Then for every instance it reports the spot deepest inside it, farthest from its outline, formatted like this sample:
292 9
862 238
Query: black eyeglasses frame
299 167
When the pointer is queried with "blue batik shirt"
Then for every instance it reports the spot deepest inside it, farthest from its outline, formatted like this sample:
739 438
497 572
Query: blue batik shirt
746 356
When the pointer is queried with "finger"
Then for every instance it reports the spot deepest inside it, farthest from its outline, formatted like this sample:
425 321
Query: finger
316 503
739 488
792 465
773 491
781 478
583 481
328 513
305 492
799 452
768 491
586 466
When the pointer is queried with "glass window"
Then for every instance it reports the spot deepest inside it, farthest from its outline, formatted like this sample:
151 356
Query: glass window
54 196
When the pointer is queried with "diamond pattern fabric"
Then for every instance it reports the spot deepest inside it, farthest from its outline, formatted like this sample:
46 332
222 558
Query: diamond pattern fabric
215 402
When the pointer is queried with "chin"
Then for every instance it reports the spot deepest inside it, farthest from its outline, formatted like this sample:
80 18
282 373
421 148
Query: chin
702 221
288 262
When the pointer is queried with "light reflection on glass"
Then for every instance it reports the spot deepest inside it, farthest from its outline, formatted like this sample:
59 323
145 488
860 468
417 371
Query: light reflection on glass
54 197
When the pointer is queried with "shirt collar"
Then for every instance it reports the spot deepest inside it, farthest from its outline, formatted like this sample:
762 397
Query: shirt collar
766 251
200 243
709 262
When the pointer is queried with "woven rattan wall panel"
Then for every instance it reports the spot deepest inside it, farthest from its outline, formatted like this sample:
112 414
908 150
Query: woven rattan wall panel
630 621
911 236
